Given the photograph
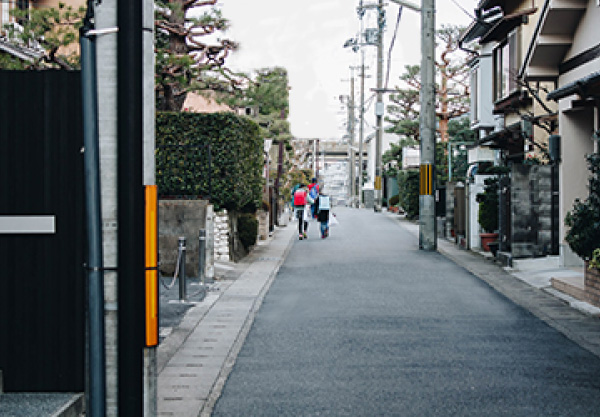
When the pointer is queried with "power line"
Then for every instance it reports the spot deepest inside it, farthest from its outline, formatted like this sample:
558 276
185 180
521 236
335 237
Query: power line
463 9
389 66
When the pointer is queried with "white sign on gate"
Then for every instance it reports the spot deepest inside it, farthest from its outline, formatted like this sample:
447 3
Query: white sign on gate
27 224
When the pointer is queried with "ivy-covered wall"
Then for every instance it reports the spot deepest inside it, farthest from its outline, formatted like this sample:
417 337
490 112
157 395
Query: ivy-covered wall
231 177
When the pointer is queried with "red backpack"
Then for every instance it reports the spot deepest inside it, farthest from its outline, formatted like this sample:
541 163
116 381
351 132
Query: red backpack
300 198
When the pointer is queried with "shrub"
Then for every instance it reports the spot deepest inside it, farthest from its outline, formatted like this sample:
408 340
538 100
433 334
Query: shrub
394 200
584 219
408 184
247 229
488 205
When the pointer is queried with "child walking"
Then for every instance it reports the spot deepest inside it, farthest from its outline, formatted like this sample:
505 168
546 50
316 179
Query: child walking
323 205
301 201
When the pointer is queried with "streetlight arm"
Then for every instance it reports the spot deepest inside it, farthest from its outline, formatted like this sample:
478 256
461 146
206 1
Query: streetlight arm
408 5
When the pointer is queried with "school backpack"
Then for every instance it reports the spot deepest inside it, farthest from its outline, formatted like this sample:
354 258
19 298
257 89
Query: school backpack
314 191
324 203
300 198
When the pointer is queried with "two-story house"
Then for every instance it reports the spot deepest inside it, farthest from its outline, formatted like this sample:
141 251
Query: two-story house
565 50
511 117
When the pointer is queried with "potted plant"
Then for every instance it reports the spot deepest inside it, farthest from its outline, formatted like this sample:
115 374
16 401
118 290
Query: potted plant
393 204
488 212
584 234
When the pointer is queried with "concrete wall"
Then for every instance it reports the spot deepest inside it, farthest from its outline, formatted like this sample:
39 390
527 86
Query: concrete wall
183 218
474 241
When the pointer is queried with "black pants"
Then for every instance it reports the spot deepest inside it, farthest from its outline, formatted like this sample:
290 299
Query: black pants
301 222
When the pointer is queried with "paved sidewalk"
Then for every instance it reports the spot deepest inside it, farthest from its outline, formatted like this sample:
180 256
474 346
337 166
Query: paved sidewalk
194 361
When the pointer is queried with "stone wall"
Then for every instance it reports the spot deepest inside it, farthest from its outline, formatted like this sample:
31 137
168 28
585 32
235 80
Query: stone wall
531 207
221 237
263 224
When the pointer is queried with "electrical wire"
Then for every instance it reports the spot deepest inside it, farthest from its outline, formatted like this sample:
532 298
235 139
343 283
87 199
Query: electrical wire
463 9
389 64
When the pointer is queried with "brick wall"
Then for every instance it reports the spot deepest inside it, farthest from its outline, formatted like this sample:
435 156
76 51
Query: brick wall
592 285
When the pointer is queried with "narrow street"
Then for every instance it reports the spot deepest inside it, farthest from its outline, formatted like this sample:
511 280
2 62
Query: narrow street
365 324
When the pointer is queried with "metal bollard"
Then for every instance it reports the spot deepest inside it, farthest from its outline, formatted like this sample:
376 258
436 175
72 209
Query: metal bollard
182 283
202 255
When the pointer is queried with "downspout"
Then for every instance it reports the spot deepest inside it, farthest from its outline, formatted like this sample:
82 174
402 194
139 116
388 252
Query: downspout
470 51
95 352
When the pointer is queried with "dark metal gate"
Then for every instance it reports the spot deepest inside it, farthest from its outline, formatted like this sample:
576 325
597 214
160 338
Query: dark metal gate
42 296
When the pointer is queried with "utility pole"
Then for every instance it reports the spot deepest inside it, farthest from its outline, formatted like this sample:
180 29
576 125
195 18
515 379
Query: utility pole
361 137
427 220
379 104
105 17
361 132
352 135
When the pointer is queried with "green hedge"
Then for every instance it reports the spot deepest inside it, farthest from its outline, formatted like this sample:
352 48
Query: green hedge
182 158
408 185
247 229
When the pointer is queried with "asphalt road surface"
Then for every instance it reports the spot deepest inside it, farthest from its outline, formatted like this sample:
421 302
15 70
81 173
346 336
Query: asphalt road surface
365 324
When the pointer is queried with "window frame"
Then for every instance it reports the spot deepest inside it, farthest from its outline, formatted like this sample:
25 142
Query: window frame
506 61
475 76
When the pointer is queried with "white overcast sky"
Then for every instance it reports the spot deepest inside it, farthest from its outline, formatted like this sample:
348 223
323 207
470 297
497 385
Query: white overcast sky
306 37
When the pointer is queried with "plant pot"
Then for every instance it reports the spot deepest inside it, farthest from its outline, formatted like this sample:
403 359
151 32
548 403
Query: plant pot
486 239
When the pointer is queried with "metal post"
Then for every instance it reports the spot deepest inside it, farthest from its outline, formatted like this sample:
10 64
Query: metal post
449 161
379 105
96 355
427 221
182 284
202 255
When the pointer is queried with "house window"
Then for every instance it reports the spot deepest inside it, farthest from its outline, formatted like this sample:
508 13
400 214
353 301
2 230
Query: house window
23 4
506 65
5 7
475 94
